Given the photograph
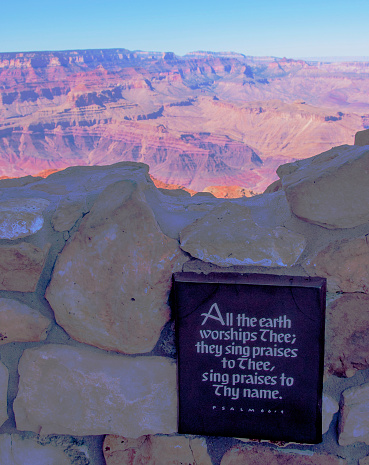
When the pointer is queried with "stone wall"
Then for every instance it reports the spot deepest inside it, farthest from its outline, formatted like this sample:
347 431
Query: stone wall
88 360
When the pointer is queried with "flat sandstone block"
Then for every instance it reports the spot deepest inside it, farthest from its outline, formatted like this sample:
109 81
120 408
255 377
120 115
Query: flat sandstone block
354 416
262 455
21 323
18 450
68 212
65 390
111 283
229 236
344 263
347 328
21 266
330 189
156 450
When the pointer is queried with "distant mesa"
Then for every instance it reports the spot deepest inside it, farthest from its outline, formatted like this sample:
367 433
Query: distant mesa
169 56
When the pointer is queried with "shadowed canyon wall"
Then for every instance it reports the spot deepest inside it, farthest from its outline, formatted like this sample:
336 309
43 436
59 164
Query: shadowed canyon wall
88 356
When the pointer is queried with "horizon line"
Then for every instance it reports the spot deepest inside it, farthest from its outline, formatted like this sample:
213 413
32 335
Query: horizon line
325 58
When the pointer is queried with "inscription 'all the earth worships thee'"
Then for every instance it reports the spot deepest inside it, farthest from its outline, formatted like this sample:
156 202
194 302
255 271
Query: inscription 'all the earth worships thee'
240 349
250 355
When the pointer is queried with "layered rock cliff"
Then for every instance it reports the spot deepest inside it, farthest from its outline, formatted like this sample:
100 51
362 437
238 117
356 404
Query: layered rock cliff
200 120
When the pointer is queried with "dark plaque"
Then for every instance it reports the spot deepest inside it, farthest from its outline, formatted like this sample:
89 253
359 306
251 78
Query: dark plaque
250 355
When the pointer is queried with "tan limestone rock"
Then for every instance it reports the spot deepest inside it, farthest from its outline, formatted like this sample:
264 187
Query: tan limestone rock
18 182
68 212
155 450
344 263
18 450
20 323
364 461
229 236
241 455
4 378
354 415
21 266
274 187
204 194
175 192
82 179
287 169
326 189
330 407
347 327
362 137
21 217
229 192
111 284
79 391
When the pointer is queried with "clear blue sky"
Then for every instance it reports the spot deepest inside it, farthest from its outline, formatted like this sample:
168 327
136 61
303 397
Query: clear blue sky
291 28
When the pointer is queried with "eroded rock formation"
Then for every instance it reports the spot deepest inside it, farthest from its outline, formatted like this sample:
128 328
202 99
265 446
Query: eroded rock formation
200 120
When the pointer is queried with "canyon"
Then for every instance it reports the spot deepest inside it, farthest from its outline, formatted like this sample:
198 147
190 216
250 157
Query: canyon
201 120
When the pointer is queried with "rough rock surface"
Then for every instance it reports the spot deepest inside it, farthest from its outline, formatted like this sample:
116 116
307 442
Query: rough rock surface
344 263
229 236
110 285
68 212
156 450
354 416
274 187
4 377
347 344
21 266
330 407
21 217
321 189
79 391
87 179
362 137
269 211
364 461
21 323
262 455
18 450
18 182
229 192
